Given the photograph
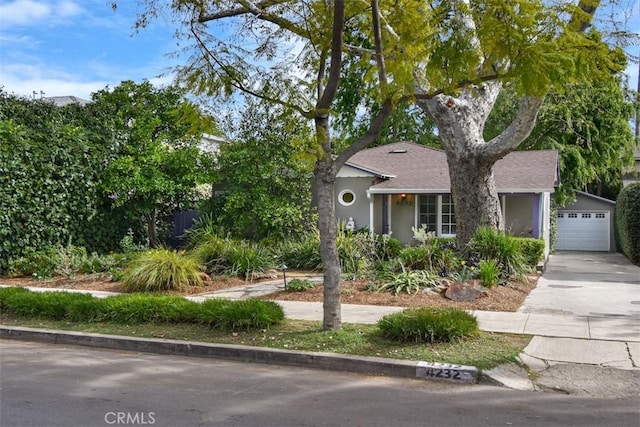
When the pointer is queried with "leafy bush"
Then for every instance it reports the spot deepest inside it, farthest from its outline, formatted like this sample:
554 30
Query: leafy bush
70 260
299 285
302 253
387 247
532 250
242 258
210 252
161 270
143 308
488 273
50 305
249 314
627 222
65 261
40 264
63 200
134 309
428 325
490 243
409 281
418 257
128 244
203 230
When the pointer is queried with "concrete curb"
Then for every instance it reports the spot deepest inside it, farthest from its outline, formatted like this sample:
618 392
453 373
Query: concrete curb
325 361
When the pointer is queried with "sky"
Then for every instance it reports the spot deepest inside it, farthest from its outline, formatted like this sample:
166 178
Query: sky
77 47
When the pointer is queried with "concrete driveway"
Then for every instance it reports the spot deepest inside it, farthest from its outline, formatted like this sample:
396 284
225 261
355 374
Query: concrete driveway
595 284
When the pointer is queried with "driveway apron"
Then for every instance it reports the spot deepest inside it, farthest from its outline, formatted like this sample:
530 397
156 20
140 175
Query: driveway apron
593 284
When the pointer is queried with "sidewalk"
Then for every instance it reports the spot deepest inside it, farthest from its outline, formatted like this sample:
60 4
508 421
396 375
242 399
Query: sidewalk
585 354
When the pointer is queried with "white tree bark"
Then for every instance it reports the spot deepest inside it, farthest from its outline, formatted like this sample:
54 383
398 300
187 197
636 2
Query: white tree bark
471 159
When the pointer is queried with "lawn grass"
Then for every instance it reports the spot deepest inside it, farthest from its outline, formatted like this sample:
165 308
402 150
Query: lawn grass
485 351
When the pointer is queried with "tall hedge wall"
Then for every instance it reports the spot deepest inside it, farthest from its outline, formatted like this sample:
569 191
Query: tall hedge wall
49 189
627 222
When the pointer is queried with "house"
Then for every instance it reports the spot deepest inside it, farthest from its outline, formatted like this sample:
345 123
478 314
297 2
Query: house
61 101
392 188
586 225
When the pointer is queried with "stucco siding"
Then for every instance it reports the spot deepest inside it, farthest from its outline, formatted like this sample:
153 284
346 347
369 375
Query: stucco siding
359 210
403 217
519 214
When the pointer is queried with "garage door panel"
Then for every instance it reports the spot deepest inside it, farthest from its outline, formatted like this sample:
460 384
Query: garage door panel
583 231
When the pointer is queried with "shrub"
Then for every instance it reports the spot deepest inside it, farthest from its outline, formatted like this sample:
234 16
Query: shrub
301 253
250 314
211 253
409 281
143 308
531 249
161 270
387 247
70 259
299 285
243 259
627 222
203 230
490 243
488 273
48 305
40 264
245 314
428 325
418 257
133 309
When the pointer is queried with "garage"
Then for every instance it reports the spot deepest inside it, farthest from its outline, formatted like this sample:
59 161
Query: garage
586 225
583 231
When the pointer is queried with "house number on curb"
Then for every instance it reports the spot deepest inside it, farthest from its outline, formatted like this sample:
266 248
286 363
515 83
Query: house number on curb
444 371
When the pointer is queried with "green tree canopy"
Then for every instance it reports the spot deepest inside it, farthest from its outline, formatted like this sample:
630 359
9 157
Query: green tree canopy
265 177
157 163
588 123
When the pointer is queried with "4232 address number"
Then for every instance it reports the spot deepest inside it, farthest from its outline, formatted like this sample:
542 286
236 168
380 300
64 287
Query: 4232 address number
444 371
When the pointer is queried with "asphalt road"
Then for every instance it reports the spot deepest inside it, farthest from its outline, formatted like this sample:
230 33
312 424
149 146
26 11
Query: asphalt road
48 385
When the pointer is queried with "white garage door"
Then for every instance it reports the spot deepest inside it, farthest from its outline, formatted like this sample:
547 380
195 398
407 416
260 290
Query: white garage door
583 231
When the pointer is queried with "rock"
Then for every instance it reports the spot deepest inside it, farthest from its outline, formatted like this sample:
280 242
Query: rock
464 292
205 277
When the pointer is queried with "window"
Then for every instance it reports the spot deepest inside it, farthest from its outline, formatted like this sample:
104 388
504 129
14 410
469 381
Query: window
437 213
560 215
586 215
600 215
429 212
347 197
448 215
573 215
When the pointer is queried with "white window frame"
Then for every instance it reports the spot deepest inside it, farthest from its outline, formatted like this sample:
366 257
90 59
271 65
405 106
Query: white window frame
439 213
341 195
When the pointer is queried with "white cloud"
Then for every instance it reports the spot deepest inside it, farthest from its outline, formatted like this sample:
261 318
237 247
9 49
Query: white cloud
33 12
25 79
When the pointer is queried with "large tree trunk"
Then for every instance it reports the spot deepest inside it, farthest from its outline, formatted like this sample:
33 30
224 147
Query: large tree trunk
152 228
324 183
474 195
471 159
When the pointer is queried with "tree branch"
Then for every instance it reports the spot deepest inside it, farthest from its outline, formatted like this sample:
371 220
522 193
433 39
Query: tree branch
324 103
259 11
377 36
236 83
372 134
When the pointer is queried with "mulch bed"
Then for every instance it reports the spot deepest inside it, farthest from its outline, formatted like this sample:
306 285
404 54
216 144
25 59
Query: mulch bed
499 298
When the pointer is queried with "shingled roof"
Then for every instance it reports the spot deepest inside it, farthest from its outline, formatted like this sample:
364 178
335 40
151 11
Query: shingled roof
411 168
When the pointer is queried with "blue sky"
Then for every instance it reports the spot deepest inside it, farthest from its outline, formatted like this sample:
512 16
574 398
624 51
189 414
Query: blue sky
76 47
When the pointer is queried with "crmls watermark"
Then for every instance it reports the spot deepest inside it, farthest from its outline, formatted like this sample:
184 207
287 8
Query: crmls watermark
130 418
